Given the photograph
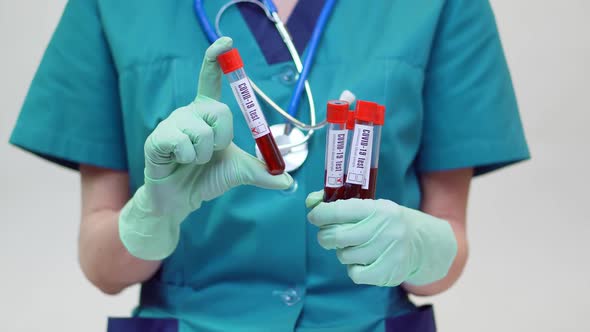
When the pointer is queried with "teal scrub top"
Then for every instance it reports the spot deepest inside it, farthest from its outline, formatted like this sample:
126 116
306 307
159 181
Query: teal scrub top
250 260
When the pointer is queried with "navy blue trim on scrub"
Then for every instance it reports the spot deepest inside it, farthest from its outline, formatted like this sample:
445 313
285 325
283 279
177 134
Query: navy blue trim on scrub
137 324
421 320
300 24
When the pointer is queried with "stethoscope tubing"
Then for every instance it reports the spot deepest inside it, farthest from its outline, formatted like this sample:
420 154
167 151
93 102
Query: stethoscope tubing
311 52
303 69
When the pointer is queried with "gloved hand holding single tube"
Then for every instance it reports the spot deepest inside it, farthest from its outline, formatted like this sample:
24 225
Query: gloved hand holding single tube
383 243
189 159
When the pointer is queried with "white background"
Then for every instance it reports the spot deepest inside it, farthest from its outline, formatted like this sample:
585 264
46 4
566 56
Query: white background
529 225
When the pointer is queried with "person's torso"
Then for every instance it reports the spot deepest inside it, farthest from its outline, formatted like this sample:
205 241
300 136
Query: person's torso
250 257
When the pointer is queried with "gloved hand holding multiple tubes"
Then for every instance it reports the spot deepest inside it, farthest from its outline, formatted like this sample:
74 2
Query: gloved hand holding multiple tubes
189 159
383 243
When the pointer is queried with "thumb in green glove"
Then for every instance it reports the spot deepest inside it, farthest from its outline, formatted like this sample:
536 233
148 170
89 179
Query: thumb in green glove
383 243
189 159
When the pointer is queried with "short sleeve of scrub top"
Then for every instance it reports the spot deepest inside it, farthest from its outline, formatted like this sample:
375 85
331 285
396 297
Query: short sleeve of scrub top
470 111
72 114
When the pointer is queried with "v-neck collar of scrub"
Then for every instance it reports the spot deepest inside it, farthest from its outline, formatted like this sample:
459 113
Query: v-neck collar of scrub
300 25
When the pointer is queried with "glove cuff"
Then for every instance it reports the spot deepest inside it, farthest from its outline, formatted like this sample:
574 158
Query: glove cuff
435 246
146 234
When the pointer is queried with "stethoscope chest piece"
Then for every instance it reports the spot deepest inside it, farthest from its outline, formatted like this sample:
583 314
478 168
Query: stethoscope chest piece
294 157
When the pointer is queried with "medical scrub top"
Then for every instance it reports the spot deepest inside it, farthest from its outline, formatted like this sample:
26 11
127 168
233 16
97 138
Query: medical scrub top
249 260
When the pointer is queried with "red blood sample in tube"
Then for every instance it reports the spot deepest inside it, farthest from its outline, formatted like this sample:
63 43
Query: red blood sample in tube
330 194
370 193
271 154
336 146
232 66
357 178
379 121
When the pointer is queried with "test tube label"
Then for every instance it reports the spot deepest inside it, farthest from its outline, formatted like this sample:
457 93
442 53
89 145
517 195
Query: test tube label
335 158
250 107
359 164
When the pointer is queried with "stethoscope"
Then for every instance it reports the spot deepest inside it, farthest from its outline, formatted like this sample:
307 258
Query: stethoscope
292 141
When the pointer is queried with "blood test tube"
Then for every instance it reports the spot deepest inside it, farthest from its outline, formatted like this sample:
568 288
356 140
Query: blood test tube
232 66
357 176
341 194
379 121
336 145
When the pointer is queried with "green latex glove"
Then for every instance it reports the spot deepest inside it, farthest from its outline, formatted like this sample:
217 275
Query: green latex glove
383 243
189 159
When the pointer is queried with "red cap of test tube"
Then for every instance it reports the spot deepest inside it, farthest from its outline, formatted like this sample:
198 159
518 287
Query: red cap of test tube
230 61
337 111
350 120
380 115
366 110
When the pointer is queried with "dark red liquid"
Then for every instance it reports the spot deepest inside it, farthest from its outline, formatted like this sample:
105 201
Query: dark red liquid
333 194
349 190
352 191
370 193
271 154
